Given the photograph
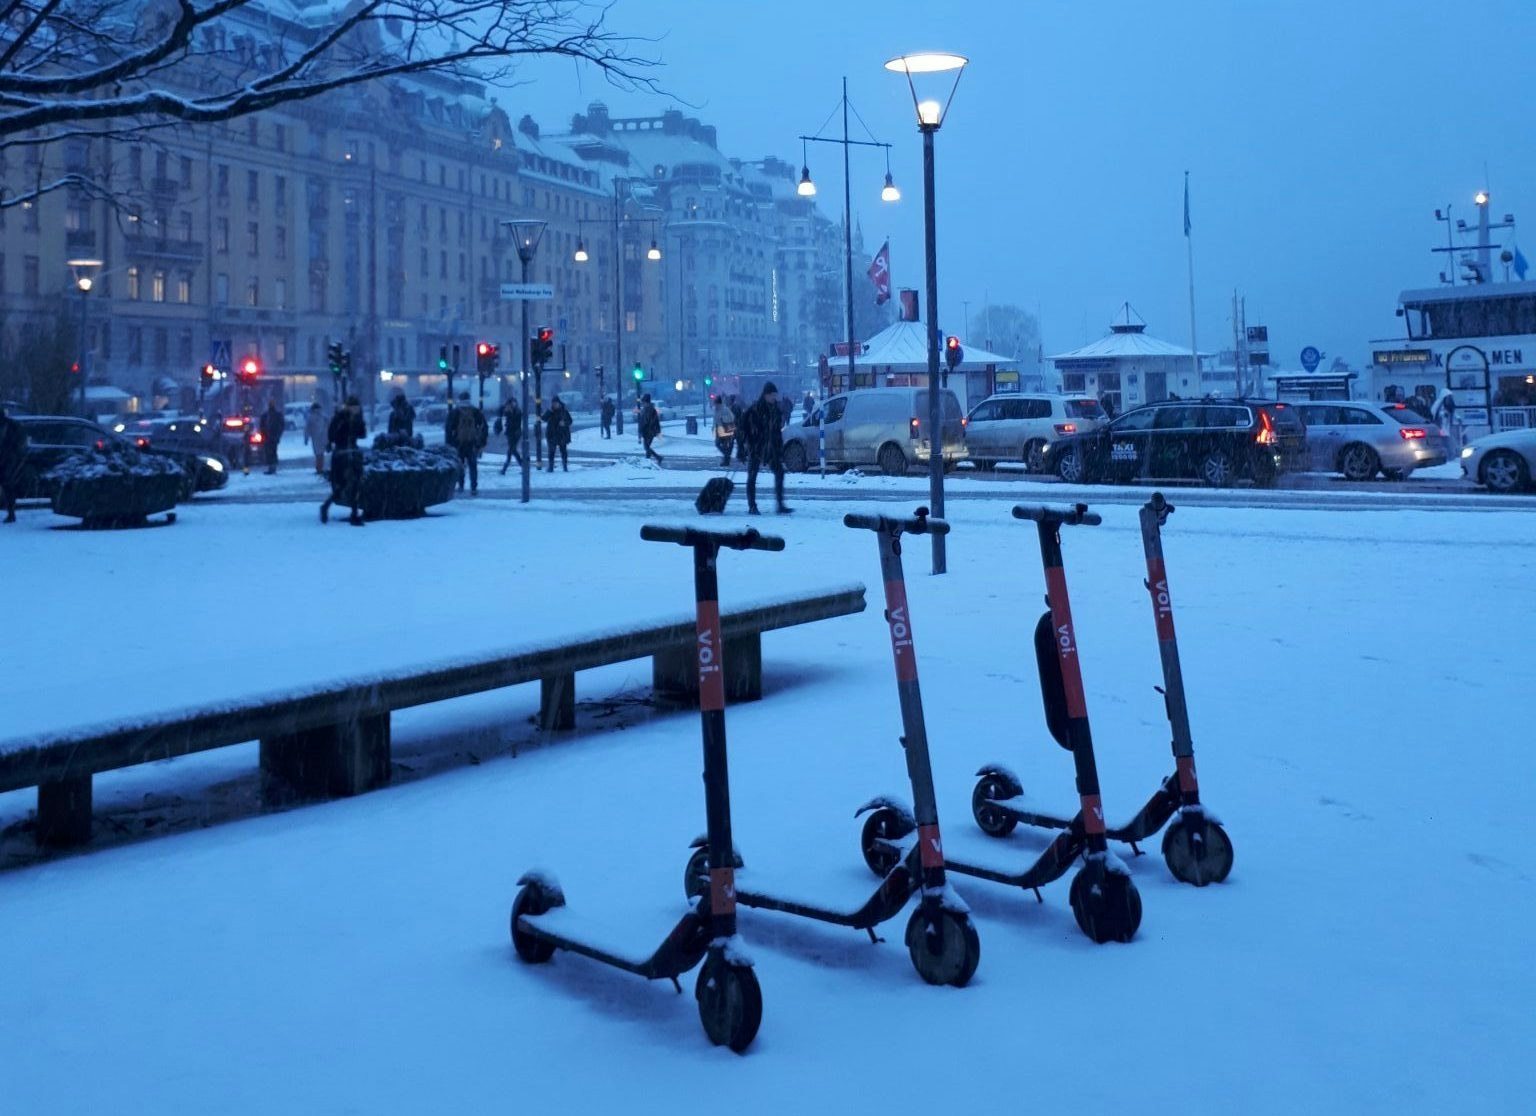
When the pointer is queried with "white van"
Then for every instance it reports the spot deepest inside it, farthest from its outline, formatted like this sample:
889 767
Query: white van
1019 427
883 427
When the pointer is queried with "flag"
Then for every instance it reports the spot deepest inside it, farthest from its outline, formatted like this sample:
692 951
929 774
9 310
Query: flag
1520 265
880 274
1186 203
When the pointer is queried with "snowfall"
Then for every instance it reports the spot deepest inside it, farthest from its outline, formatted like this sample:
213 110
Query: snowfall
1359 684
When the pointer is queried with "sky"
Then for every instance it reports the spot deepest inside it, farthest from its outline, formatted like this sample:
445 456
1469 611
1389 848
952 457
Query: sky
1320 137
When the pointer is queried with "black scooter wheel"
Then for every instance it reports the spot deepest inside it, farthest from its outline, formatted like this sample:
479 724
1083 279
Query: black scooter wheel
696 874
881 827
531 900
1197 853
994 822
949 953
1106 904
730 1002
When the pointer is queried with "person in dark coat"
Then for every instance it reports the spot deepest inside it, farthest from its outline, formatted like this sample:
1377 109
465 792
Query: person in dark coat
808 404
511 419
465 430
557 432
765 446
605 416
739 415
315 436
786 408
271 429
347 426
402 417
650 425
13 457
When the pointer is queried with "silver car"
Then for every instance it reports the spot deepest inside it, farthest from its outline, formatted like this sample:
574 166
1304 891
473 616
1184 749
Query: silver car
1360 439
1503 462
1020 427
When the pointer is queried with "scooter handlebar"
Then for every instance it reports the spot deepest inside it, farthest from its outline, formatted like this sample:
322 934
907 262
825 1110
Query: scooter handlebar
748 539
1160 506
1076 515
918 524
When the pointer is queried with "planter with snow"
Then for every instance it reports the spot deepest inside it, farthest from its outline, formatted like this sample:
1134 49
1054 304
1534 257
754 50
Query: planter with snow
115 488
403 481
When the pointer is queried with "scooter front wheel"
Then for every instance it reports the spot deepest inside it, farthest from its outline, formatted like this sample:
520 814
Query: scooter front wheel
882 827
696 874
531 900
993 820
730 1001
1106 904
945 950
1197 852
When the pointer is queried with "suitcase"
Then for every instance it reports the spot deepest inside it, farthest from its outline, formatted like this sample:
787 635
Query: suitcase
713 496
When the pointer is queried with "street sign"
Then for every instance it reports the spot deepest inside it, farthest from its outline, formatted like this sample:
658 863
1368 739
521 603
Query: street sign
218 354
1310 358
527 292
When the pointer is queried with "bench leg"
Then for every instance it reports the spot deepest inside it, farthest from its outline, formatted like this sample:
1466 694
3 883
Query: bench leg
675 673
329 762
557 702
64 813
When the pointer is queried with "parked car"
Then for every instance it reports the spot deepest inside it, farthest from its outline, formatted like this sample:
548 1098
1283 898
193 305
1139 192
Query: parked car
1361 439
884 427
1503 462
1217 441
1019 427
196 439
52 438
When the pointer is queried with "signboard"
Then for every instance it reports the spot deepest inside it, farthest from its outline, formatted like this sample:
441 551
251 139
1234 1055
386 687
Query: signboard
527 292
1311 358
1258 335
1472 416
1402 356
218 354
840 348
1005 383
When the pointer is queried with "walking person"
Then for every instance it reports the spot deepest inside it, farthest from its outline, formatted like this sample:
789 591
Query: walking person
466 431
725 430
511 418
557 432
346 427
270 427
315 436
740 414
786 408
649 425
13 457
765 447
605 415
402 417
808 404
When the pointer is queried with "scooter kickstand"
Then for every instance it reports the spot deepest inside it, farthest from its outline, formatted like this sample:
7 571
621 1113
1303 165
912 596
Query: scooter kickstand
1135 851
874 939
1038 897
676 985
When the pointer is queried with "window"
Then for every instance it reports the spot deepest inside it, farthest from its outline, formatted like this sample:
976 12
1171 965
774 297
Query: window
221 234
1074 383
280 137
184 348
1083 408
252 237
280 195
157 286
184 287
29 279
221 181
29 213
987 412
135 346
252 187
280 294
463 267
253 292
221 289
186 172
184 226
630 321
1135 421
162 350
160 164
133 284
1357 416
442 270
425 270
280 242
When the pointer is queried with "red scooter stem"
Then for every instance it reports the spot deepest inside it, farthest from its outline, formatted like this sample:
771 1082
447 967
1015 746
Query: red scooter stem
1153 514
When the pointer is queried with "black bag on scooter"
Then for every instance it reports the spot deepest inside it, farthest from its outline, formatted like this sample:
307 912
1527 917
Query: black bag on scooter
714 495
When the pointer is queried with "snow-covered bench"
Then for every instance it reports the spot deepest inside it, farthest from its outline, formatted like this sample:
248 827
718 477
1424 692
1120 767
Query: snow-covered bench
333 738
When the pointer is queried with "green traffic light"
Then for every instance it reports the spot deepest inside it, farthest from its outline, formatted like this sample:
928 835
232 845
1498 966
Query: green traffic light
639 373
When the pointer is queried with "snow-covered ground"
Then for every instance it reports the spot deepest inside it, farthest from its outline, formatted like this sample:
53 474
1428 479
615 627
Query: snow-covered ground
1359 684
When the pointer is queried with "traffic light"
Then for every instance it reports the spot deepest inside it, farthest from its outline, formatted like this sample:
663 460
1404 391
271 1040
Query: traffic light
953 355
708 380
442 358
486 357
208 375
346 365
333 358
74 368
541 347
638 373
250 368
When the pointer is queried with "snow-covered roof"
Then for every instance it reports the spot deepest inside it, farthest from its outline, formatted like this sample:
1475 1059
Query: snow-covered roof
1125 342
906 343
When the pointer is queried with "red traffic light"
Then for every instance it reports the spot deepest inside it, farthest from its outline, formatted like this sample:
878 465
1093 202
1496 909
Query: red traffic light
250 367
951 342
74 368
546 334
483 349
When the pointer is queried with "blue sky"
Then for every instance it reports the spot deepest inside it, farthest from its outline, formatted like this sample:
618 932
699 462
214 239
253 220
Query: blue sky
1320 138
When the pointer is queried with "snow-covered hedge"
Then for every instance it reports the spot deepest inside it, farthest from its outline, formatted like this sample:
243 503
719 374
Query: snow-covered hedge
113 463
116 487
411 459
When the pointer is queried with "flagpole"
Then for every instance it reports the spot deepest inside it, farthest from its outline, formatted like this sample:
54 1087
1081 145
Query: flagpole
1189 243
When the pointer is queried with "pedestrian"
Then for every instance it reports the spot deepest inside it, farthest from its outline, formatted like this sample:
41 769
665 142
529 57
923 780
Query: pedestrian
402 416
808 404
1107 404
725 429
511 418
465 430
649 423
346 427
605 415
786 408
764 421
13 458
271 430
557 432
740 413
315 428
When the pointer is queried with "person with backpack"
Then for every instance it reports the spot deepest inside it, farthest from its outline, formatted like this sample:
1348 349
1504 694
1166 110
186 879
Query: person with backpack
557 433
764 421
511 419
650 426
347 426
465 430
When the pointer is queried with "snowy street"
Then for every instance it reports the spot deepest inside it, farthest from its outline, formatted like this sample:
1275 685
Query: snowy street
1354 682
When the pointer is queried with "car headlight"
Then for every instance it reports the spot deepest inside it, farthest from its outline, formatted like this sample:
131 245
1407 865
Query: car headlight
1467 451
215 465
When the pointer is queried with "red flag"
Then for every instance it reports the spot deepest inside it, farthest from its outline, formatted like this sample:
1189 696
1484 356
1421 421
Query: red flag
880 274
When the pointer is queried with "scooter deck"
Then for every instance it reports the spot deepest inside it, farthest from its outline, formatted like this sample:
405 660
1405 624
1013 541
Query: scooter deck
888 900
1163 804
682 944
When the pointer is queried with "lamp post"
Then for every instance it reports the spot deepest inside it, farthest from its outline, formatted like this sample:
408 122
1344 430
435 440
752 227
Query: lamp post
84 272
930 116
527 234
807 189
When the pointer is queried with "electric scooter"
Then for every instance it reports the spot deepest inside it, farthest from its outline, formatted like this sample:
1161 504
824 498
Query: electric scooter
940 937
730 1000
1104 900
1195 847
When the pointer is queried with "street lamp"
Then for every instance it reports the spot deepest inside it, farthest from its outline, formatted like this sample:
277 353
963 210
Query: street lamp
930 116
527 234
84 272
888 193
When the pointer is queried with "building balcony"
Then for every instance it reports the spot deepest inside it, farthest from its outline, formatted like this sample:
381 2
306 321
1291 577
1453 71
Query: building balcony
164 247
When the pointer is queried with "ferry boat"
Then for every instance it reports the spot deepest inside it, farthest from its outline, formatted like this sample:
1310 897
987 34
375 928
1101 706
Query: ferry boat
1472 339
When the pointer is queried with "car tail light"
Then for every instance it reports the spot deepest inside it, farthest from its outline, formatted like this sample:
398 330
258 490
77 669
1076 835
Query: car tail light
914 428
1409 433
256 437
964 422
233 423
1066 428
1266 435
101 444
141 442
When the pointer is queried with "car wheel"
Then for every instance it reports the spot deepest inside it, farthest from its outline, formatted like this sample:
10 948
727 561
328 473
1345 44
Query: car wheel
1069 466
1358 462
1217 469
1504 471
1034 455
893 463
795 457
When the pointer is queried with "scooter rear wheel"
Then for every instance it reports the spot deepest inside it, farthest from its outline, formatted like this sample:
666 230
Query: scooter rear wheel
730 1001
994 822
1197 853
883 826
531 900
951 954
696 874
1106 904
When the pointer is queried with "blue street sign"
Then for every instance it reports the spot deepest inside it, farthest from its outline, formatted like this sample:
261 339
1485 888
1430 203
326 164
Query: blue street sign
1310 358
218 354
